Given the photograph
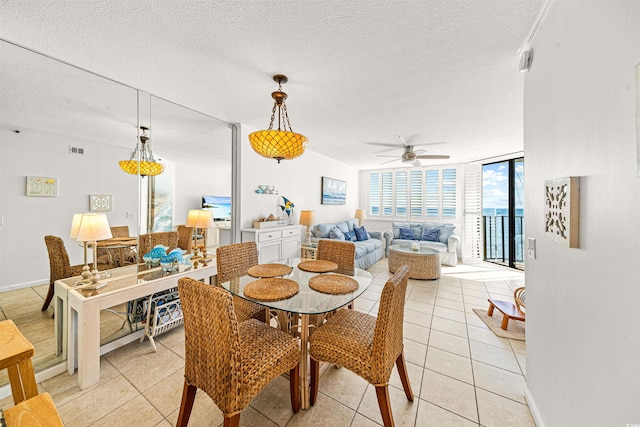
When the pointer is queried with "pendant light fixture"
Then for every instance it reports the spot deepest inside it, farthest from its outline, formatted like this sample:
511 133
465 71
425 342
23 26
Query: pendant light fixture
283 143
144 164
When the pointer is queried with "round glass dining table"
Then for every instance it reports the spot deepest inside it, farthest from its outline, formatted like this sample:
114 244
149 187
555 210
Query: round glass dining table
295 313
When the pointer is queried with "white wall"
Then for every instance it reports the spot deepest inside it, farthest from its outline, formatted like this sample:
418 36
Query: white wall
191 183
23 254
299 180
583 305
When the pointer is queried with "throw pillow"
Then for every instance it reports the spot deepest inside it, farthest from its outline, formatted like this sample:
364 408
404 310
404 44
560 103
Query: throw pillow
446 230
350 236
407 234
323 230
430 234
336 234
343 226
396 228
361 233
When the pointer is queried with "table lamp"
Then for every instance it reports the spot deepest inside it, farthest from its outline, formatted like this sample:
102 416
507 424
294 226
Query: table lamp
192 219
360 215
204 221
94 227
73 234
308 218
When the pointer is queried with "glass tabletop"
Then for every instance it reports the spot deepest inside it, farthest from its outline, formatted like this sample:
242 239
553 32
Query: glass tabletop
307 300
411 249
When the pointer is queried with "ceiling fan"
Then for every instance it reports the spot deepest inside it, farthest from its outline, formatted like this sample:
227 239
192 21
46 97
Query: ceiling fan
409 155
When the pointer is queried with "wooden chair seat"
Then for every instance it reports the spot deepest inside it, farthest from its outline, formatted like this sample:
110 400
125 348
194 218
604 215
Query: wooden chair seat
509 310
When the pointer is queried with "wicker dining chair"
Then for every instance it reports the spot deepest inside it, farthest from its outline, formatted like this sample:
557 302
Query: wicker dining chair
233 261
146 242
230 361
119 256
185 238
342 253
59 265
366 345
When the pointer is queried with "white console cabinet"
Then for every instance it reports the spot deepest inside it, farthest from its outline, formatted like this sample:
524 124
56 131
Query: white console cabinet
276 242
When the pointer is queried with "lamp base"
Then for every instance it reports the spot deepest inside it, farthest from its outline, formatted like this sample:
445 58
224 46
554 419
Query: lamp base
86 276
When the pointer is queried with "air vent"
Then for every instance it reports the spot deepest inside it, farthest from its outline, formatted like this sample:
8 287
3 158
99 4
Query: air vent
76 150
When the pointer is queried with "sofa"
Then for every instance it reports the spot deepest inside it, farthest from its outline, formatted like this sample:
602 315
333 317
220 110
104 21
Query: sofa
431 235
368 251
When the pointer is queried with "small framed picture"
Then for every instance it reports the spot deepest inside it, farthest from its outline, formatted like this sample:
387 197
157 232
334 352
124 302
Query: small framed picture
41 186
100 202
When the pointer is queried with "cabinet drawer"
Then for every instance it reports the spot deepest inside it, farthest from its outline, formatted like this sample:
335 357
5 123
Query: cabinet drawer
290 232
268 236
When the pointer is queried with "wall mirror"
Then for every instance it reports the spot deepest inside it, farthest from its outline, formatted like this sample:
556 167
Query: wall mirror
63 123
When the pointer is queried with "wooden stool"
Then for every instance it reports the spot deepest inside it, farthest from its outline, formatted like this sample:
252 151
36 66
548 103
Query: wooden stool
35 412
15 355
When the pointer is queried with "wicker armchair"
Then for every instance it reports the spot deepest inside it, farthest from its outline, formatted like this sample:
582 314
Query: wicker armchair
342 253
146 242
234 261
59 265
230 361
366 345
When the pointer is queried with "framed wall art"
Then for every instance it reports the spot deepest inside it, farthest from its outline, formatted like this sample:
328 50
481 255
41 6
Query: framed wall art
100 202
334 191
562 210
41 186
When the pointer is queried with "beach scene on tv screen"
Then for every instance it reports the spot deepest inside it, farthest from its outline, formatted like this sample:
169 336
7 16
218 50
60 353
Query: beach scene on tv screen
220 206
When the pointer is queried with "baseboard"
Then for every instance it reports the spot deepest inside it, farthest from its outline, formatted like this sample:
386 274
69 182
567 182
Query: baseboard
42 375
532 407
17 286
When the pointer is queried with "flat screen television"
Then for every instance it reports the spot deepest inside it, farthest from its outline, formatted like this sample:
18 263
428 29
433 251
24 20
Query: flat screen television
220 207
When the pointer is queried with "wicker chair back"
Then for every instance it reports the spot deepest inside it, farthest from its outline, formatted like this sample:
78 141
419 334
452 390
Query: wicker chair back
342 253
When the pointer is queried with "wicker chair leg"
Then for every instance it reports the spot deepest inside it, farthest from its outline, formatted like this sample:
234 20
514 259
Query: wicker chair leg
232 421
315 374
188 396
48 299
382 392
294 388
404 377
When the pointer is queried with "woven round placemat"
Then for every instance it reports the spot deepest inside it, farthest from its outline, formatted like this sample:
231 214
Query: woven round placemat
333 284
271 289
269 270
318 266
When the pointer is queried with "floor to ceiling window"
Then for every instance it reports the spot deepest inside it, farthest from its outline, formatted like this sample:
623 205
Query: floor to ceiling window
503 212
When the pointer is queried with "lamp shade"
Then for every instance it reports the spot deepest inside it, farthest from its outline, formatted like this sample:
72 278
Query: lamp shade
360 214
75 225
192 217
307 218
205 219
94 226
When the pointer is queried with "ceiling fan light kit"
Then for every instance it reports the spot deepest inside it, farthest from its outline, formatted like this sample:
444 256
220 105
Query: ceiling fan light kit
283 143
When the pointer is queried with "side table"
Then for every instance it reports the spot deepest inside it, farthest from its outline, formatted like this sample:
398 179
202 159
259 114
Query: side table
309 251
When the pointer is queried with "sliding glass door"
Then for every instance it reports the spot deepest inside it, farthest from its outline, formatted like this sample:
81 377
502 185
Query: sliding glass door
503 212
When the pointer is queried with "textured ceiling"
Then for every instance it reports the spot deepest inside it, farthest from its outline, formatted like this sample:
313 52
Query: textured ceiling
359 71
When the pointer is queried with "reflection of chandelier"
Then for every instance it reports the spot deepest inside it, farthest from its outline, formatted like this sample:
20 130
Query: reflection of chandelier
280 144
146 165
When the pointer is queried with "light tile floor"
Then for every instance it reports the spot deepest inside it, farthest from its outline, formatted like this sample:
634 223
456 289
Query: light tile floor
460 372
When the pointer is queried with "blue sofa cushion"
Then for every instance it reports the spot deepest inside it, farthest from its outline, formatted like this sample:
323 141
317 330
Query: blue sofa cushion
350 236
336 234
343 226
430 234
446 231
396 228
366 247
361 233
407 234
352 222
322 230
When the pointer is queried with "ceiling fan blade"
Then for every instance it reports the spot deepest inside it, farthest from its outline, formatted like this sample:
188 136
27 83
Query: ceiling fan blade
389 161
433 156
384 144
386 155
403 141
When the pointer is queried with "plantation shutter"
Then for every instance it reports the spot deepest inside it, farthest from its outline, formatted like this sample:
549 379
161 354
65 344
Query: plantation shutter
432 192
387 194
401 194
415 194
472 222
374 194
449 193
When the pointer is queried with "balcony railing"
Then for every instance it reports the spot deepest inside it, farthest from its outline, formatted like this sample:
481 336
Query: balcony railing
496 240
